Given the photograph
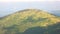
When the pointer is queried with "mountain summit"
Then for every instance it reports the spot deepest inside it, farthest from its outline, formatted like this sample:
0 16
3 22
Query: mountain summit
27 18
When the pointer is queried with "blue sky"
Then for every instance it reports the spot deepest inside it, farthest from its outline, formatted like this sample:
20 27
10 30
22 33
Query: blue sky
11 7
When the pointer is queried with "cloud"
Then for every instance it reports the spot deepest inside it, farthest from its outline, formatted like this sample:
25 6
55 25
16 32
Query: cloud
24 0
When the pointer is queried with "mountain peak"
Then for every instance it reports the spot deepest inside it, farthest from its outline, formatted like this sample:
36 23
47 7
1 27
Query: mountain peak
30 10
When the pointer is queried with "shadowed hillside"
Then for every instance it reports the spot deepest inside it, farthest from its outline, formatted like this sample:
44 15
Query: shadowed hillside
53 29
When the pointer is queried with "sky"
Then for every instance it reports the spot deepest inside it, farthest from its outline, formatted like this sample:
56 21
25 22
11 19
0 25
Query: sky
11 6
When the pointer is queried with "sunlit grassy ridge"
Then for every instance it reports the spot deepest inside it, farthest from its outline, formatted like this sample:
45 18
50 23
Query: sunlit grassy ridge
28 18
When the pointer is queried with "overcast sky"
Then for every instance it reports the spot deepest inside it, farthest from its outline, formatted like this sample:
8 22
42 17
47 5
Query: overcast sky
13 6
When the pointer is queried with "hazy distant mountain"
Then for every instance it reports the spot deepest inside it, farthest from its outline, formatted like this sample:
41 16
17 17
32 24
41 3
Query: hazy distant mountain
21 21
55 12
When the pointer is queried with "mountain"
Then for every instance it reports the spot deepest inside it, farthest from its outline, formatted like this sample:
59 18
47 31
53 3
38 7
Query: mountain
55 12
19 22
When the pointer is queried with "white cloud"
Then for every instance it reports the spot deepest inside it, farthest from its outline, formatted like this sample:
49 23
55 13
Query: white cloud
24 0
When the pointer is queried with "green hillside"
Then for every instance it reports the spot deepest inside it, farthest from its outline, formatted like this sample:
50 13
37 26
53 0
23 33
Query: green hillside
22 21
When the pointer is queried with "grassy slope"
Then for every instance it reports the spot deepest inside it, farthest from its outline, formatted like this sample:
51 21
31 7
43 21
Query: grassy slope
25 19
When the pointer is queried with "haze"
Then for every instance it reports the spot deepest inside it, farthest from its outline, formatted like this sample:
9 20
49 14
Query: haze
11 7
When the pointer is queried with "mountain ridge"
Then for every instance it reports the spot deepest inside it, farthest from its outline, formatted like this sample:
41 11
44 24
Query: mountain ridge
32 11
